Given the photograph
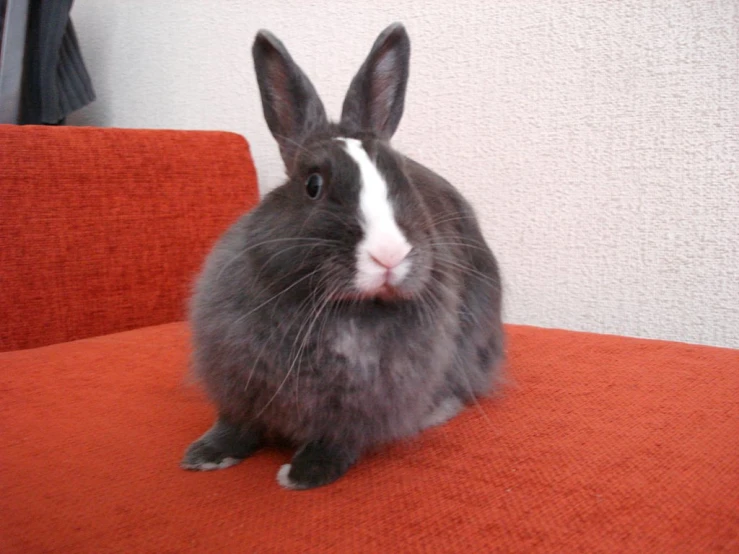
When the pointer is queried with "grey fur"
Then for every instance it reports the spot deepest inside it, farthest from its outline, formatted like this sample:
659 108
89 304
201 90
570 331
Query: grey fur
286 347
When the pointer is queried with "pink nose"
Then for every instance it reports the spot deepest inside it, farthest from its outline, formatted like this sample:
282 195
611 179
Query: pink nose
390 258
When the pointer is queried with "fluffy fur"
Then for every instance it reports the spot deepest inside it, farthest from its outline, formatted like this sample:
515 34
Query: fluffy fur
287 344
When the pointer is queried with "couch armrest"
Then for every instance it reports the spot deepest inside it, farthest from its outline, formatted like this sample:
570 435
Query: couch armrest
103 230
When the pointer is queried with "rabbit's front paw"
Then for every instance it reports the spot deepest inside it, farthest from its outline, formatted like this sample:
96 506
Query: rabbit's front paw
203 456
314 465
222 446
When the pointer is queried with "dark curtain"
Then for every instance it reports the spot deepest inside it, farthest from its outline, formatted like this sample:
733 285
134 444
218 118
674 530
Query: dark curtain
55 81
2 22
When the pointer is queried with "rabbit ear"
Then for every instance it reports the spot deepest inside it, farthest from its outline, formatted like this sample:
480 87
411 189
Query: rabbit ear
291 105
377 93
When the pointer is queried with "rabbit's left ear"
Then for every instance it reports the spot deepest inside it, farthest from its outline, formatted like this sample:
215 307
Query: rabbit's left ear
291 105
377 93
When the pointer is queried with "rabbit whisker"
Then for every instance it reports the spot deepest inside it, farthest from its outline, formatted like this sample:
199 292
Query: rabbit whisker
460 243
304 305
467 270
274 297
324 302
262 243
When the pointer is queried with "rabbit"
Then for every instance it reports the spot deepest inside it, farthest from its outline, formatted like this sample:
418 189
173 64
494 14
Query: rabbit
358 303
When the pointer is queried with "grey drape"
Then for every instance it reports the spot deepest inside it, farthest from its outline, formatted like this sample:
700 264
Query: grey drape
55 81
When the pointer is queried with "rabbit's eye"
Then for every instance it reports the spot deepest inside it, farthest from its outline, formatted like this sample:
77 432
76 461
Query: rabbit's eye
313 185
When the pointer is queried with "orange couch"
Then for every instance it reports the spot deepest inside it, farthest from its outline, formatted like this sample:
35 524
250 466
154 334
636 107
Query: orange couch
598 444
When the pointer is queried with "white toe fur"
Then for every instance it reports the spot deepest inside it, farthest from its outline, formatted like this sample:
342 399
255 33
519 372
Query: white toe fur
284 480
211 466
443 412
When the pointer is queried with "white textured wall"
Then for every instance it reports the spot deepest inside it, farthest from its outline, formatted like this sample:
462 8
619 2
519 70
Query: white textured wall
597 140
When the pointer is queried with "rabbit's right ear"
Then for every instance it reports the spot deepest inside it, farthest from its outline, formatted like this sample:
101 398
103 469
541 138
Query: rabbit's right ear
289 100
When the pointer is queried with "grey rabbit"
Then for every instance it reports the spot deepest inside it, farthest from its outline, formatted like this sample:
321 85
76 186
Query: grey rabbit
358 303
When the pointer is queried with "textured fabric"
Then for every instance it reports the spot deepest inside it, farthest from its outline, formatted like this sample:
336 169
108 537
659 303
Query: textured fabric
599 444
77 206
56 82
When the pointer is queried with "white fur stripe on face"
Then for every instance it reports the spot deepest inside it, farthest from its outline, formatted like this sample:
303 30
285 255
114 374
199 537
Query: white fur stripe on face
383 240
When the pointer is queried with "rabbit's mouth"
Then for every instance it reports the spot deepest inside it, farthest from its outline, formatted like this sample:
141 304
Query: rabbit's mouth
384 293
387 292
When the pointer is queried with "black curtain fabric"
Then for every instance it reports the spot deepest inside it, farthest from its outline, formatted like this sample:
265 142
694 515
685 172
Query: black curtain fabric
3 5
55 81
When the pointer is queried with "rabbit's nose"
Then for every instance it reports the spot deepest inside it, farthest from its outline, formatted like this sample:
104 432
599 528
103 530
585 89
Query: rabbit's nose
389 257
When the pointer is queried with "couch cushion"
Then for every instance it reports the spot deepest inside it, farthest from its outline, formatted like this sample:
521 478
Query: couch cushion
600 444
103 230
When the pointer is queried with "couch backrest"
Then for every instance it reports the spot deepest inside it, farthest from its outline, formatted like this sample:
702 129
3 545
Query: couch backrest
103 230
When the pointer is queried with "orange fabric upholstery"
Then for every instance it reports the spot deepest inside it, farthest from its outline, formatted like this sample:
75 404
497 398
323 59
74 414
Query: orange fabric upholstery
600 444
102 230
